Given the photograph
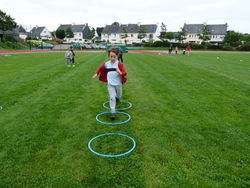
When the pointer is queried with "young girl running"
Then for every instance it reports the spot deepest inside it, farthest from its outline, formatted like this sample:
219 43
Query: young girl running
112 72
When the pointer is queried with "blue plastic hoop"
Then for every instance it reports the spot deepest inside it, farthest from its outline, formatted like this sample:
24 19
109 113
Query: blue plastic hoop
1 107
129 117
130 105
103 155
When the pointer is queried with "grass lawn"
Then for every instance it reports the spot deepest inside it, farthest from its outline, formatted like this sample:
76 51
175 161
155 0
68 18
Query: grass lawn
190 120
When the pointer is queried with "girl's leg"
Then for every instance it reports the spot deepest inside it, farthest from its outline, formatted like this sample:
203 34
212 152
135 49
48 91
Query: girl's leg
118 90
112 95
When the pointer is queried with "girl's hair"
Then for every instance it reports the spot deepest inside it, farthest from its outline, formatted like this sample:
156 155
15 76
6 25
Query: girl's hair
114 50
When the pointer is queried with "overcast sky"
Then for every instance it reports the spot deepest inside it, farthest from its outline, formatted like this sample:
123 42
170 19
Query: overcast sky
98 13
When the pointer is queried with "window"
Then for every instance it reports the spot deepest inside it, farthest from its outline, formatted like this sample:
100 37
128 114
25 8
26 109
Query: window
132 35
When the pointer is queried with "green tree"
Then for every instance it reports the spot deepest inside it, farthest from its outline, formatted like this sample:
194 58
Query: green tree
115 23
60 33
124 35
53 33
99 31
182 35
169 35
69 32
233 38
163 27
246 39
205 35
6 22
91 33
163 31
142 32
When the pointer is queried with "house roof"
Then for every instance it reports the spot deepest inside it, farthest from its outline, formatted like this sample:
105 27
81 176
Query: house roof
36 31
75 28
21 29
215 29
14 32
130 28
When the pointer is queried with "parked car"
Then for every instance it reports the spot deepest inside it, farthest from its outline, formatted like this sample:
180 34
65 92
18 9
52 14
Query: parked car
46 46
86 46
102 46
94 46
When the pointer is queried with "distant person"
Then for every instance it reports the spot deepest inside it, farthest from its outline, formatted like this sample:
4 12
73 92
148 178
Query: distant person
73 59
176 50
188 50
120 54
112 72
170 49
69 56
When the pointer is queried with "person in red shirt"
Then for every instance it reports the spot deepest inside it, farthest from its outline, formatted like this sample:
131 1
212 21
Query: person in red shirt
188 50
112 72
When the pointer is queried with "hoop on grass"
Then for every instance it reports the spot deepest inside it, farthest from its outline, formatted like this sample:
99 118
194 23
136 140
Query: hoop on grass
103 155
130 105
97 118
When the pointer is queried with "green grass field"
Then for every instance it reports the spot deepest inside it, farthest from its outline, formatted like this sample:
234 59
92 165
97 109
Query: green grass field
190 120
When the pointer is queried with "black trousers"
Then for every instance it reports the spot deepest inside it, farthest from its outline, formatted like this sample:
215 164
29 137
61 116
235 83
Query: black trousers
120 58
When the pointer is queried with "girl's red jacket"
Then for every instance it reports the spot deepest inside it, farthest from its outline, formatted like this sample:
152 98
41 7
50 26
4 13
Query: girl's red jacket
104 73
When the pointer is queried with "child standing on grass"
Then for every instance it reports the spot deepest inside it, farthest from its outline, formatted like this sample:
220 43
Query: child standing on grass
188 50
112 72
176 50
73 59
68 56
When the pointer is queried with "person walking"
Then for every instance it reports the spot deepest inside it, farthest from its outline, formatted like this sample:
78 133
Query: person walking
170 49
120 54
73 59
68 56
112 72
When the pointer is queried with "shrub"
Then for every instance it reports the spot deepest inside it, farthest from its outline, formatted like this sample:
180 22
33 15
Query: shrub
34 43
59 41
165 43
157 44
9 44
8 38
244 47
31 38
149 44
228 48
214 47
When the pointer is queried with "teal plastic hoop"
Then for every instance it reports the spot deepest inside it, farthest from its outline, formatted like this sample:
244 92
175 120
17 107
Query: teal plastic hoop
103 155
129 117
130 105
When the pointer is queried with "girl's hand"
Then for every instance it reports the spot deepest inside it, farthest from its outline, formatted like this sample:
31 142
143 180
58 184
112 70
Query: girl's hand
118 70
95 75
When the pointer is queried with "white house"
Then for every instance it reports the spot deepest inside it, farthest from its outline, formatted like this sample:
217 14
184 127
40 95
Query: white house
218 32
80 31
115 33
41 33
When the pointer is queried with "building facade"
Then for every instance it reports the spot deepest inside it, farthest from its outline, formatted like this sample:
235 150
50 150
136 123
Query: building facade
129 33
218 32
80 31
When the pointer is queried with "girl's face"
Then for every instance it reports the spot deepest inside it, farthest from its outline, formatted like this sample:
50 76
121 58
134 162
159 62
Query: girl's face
113 57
